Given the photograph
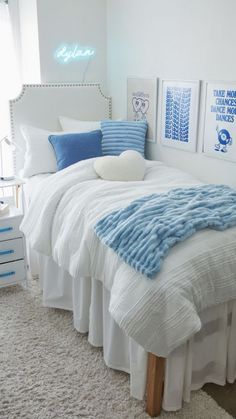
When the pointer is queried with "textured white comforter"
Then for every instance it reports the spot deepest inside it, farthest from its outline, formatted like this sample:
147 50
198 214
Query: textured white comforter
159 314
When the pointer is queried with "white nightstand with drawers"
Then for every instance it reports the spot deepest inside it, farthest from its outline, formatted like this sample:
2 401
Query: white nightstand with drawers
12 249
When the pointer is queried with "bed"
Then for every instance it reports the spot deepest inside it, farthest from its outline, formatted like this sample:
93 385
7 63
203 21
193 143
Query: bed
189 363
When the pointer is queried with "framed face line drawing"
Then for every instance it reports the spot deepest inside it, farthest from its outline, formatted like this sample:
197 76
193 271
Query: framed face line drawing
142 103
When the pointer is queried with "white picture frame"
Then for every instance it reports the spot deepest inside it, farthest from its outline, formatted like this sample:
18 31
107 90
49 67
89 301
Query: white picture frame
179 114
219 137
142 103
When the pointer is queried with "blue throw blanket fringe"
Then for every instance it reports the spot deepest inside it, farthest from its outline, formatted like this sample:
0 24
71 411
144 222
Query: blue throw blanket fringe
144 231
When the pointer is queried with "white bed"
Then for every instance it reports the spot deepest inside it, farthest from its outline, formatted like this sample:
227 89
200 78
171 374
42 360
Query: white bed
188 367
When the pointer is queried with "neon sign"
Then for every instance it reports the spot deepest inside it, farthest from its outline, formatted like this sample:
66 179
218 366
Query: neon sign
67 53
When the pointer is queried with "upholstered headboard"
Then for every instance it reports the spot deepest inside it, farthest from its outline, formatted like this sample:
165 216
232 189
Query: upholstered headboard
41 104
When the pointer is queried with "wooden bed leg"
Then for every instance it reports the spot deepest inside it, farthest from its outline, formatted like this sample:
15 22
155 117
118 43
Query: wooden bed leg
155 382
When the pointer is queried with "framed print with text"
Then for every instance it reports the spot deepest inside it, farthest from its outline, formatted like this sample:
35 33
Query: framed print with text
220 120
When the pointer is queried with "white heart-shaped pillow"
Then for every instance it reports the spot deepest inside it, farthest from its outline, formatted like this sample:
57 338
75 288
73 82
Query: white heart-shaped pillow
128 166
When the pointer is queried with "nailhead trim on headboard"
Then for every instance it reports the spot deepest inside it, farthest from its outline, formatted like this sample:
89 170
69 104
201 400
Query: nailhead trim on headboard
57 86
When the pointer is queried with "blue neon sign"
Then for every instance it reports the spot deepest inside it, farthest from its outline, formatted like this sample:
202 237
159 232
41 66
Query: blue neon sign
67 53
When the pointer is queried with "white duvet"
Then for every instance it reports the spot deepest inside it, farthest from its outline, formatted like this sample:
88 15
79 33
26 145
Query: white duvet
159 314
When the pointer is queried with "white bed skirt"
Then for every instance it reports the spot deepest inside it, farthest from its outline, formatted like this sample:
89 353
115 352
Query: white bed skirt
210 356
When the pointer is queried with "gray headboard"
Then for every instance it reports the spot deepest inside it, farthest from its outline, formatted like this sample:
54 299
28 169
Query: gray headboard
40 105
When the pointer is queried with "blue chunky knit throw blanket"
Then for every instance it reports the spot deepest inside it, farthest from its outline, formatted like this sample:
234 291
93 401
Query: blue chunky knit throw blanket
144 231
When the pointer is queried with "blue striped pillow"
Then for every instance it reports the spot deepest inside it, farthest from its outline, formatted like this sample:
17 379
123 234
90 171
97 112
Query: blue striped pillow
119 136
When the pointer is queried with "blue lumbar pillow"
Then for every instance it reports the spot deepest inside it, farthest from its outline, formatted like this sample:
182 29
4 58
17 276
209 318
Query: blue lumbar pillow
119 136
72 148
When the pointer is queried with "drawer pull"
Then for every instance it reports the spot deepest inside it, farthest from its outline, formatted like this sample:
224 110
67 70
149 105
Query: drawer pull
10 273
6 252
5 229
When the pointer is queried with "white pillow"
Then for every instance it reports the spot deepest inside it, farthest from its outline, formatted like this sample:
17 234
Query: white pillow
74 125
39 156
128 166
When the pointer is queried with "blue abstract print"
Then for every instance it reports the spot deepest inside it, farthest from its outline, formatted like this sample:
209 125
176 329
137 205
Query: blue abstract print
178 101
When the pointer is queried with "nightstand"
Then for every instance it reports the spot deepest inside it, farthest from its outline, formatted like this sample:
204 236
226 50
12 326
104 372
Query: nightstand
15 184
12 249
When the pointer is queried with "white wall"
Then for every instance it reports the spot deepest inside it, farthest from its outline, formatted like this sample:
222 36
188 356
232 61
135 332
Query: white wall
30 66
72 21
178 39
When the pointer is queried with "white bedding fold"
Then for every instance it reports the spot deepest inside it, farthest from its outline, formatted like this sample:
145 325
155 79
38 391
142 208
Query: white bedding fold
159 314
37 224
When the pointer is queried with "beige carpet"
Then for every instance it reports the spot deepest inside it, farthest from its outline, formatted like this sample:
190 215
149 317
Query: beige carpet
48 370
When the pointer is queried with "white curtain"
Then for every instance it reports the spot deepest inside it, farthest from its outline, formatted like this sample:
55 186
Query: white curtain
9 84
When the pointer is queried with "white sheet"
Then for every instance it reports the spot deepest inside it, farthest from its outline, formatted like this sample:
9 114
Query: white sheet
30 188
209 356
160 314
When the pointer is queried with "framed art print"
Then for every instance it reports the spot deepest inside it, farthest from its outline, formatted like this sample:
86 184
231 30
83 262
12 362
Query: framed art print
179 114
142 103
220 120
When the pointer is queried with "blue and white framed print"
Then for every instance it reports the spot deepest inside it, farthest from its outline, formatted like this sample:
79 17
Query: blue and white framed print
220 120
179 114
142 103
